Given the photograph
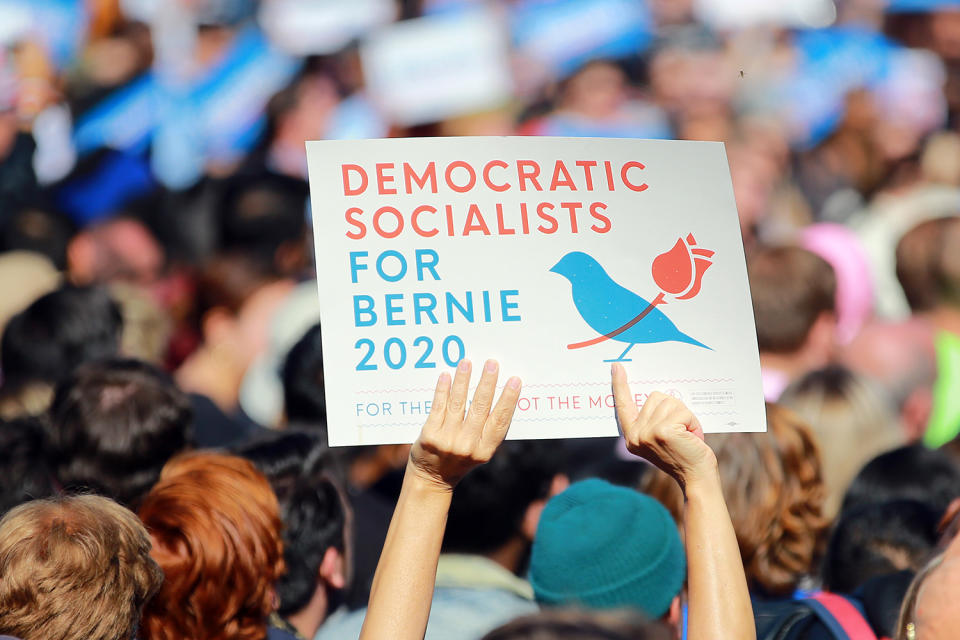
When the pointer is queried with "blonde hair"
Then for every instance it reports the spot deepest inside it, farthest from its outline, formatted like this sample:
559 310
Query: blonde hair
852 421
76 568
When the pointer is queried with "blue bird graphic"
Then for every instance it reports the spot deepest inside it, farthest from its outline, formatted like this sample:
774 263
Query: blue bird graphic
606 306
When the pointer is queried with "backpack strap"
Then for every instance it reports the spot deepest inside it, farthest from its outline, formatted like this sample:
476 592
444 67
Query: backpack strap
841 616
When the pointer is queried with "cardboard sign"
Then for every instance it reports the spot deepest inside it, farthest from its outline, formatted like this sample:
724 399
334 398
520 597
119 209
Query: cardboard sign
437 67
555 256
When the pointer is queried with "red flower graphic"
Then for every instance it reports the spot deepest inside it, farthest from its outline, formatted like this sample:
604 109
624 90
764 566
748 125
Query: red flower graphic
680 270
677 272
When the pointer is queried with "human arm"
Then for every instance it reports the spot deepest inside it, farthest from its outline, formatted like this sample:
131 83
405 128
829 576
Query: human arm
454 439
666 433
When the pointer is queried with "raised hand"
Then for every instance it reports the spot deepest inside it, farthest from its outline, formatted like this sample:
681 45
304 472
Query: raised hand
664 431
454 438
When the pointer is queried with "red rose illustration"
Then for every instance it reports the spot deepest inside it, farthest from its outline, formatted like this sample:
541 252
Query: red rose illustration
680 270
677 272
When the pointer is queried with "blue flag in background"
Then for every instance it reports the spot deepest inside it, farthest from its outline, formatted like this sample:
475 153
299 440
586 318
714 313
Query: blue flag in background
217 117
564 34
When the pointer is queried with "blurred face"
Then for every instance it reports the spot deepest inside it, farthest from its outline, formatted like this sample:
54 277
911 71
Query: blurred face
8 132
316 100
597 92
121 250
937 615
694 82
754 176
250 331
945 31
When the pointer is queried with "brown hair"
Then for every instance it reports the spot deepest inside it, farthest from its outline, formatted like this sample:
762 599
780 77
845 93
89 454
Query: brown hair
927 269
76 568
774 489
217 535
791 287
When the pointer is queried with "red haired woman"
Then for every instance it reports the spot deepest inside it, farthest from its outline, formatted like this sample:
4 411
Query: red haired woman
216 529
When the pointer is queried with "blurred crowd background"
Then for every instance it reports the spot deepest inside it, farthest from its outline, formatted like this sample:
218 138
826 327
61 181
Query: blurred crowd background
154 205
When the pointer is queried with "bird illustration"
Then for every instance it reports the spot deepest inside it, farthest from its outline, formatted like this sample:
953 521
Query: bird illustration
607 307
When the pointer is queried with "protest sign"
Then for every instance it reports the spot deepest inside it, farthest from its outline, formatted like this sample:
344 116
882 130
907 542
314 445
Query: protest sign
432 68
555 256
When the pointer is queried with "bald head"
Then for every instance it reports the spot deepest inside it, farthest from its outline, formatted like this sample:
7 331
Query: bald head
937 616
899 356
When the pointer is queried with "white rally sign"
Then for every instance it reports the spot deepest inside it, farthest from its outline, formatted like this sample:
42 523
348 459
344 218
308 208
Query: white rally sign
555 256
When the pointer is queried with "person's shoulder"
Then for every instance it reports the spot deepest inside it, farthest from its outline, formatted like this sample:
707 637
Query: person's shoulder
275 633
342 625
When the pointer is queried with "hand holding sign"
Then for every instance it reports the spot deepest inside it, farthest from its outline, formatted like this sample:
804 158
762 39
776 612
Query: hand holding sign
664 431
456 439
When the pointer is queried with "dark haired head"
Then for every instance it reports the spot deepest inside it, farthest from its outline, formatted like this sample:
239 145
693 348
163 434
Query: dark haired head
557 624
912 473
878 539
303 394
490 502
311 507
114 424
38 229
59 331
24 474
262 214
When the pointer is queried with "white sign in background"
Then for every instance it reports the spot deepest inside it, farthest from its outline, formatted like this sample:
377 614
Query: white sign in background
428 69
510 256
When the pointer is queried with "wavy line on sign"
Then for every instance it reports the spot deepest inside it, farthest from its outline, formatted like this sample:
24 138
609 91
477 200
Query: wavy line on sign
544 419
411 390
715 413
551 419
607 384
391 424
561 385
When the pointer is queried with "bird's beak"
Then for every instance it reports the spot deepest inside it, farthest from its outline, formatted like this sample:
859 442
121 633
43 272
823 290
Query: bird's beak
554 269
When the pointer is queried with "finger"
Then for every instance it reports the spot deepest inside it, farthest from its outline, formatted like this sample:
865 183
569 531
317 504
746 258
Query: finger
626 407
483 397
457 402
663 407
498 423
650 407
696 429
438 407
682 415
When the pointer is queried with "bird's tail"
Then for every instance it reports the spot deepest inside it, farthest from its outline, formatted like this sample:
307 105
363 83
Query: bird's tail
682 337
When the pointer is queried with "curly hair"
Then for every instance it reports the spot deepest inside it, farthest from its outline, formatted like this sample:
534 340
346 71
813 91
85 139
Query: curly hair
217 536
773 487
74 568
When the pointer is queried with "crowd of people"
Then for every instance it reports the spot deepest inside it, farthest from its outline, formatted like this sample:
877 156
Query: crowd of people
164 471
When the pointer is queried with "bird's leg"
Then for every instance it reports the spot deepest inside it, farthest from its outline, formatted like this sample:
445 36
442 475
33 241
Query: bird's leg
623 356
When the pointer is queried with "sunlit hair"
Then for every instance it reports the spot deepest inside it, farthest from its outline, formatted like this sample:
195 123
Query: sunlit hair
773 487
852 420
217 536
76 568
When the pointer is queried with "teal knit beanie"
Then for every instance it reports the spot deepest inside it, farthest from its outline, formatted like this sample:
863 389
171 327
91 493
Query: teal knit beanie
604 547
